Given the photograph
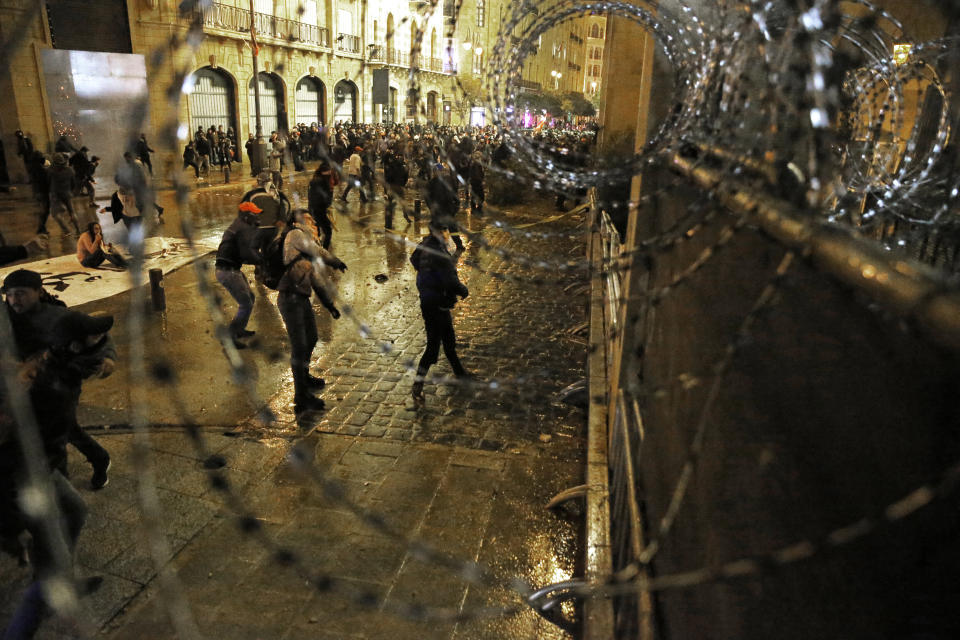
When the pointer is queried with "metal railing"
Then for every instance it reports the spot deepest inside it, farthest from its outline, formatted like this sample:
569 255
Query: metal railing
912 291
348 43
647 411
390 55
376 53
236 20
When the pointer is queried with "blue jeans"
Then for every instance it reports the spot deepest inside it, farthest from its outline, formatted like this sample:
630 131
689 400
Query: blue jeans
236 284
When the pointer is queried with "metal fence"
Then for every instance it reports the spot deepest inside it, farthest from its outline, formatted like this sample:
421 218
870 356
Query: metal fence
782 400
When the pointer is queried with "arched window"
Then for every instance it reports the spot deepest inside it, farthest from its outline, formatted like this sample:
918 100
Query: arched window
595 31
273 116
481 13
212 100
310 101
345 101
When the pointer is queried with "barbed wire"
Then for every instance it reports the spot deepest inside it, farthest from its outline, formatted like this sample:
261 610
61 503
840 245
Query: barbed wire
692 44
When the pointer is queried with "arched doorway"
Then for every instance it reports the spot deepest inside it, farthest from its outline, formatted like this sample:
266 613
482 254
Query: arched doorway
345 101
273 113
392 107
311 101
432 106
212 100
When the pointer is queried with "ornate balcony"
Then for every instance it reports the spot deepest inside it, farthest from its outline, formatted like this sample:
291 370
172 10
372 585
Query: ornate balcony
235 22
348 43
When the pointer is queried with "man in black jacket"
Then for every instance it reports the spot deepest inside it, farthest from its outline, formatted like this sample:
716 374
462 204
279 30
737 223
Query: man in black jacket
439 286
234 251
143 152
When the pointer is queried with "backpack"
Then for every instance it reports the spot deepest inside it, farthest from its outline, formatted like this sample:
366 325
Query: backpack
271 268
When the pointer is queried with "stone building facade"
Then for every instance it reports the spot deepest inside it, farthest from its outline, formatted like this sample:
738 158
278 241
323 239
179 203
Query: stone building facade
316 61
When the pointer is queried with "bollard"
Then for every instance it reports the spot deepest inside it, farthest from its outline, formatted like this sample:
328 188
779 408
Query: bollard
157 293
417 207
226 174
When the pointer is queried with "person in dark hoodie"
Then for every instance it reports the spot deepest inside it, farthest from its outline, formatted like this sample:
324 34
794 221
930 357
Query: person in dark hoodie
438 284
79 347
62 181
235 250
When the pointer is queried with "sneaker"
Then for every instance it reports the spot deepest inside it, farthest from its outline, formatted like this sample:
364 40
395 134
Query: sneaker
308 403
315 383
99 479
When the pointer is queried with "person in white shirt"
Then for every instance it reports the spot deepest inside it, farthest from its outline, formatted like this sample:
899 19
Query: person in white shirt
354 170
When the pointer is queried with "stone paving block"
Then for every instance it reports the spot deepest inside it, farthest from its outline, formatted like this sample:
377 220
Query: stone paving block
371 558
373 431
462 542
253 458
96 549
358 419
368 470
104 603
173 441
341 616
136 564
427 585
410 488
478 459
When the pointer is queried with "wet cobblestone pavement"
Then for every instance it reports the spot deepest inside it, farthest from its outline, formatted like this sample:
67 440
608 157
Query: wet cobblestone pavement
468 474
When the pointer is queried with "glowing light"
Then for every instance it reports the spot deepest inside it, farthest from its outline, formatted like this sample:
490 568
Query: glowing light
901 53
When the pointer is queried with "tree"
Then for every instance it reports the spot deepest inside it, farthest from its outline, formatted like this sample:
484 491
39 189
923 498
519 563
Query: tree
470 92
579 105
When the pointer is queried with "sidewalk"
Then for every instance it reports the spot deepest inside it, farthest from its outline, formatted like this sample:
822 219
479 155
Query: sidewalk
468 474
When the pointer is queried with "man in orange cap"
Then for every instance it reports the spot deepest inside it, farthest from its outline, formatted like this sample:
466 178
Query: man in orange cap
236 250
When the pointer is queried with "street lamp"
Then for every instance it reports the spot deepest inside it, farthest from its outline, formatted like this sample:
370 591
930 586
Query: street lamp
258 159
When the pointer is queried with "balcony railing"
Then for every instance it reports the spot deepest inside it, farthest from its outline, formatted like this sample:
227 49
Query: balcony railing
348 43
389 55
237 20
376 53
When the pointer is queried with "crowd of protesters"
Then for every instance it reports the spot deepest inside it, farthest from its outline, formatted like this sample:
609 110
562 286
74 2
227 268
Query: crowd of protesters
291 249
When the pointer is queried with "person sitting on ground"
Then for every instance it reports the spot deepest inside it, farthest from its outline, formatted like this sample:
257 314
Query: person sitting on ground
91 250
